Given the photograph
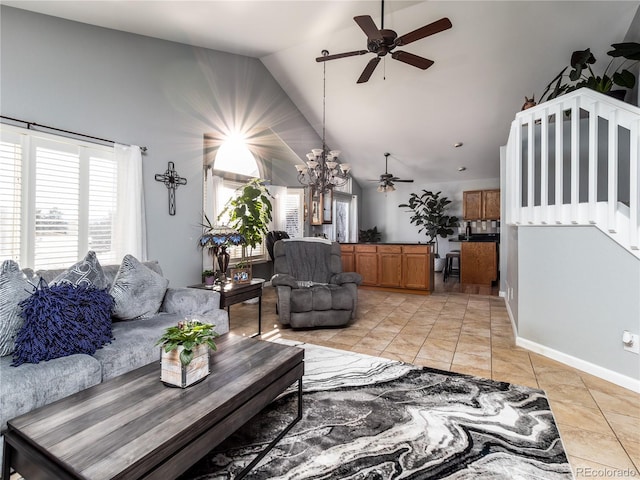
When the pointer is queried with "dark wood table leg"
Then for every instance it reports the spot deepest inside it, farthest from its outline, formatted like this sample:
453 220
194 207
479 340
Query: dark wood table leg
6 460
260 315
272 444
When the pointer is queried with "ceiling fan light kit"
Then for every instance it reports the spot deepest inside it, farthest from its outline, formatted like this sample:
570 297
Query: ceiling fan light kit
382 41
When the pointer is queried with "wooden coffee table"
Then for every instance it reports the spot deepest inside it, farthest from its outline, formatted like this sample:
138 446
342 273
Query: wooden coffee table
134 427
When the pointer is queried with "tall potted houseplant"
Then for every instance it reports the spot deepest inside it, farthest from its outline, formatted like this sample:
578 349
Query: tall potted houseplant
249 213
429 215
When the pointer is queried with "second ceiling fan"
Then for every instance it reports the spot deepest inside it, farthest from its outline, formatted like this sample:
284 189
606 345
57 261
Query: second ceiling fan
385 182
383 41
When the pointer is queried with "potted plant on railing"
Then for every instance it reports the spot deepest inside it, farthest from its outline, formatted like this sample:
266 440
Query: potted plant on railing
428 214
185 352
616 73
249 213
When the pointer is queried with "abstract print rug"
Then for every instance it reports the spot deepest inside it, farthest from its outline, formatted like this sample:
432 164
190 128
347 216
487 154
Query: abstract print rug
370 418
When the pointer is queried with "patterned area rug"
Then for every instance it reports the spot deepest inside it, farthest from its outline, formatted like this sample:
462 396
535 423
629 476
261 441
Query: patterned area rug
370 418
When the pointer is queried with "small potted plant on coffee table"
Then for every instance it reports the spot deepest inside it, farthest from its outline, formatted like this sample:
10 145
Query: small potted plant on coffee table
185 351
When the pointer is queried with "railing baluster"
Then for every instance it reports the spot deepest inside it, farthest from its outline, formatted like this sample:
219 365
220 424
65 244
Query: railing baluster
544 167
634 193
514 168
612 168
530 170
575 159
558 111
593 162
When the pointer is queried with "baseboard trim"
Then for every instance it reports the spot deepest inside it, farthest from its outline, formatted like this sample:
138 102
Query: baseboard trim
624 381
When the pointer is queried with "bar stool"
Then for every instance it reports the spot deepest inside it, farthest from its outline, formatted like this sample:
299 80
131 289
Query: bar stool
448 266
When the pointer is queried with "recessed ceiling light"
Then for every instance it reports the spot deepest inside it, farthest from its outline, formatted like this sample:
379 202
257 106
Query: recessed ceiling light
462 169
458 144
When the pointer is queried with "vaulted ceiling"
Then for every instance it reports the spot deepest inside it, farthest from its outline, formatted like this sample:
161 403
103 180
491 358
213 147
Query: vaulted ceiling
496 54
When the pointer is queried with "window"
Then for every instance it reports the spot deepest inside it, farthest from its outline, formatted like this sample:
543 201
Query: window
58 198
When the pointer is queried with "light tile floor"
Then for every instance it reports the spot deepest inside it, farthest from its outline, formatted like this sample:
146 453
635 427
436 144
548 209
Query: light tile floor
599 422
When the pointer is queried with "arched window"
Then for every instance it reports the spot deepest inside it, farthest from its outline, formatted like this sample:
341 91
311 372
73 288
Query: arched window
234 156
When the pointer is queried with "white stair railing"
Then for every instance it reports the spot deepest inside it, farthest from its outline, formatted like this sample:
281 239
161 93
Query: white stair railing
574 161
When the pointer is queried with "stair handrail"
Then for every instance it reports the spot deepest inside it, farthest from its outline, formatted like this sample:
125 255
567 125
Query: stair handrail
521 209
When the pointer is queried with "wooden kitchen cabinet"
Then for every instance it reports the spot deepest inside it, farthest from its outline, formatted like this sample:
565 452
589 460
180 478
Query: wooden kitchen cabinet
491 204
416 267
472 205
481 205
389 265
348 258
366 263
478 263
392 267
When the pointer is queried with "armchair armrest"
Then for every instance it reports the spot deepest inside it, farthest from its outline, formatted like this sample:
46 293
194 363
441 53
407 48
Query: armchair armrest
346 277
189 301
284 280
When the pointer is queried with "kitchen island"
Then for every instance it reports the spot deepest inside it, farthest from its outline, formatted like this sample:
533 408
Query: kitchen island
396 267
478 259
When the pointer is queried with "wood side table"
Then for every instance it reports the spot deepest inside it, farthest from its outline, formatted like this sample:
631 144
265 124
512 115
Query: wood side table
232 293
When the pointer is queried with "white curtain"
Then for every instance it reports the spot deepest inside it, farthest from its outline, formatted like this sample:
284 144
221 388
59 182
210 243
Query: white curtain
130 229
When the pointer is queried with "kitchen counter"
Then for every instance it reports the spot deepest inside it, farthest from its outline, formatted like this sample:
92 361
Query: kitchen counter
478 237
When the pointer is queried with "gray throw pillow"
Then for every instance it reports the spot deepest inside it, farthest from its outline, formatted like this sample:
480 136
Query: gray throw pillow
87 272
137 290
14 287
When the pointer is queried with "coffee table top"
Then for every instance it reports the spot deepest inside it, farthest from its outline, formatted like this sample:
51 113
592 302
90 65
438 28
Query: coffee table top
120 427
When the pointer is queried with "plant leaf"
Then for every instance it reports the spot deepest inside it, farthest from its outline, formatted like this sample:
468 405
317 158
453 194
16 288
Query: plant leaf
624 79
186 356
628 50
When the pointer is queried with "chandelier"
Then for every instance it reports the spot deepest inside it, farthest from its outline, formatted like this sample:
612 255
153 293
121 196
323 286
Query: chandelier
322 171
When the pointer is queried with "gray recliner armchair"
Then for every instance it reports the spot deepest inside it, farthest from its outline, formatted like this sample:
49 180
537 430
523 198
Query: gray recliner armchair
311 289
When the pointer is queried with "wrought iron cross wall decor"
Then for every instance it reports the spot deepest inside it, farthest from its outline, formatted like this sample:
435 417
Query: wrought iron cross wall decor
171 180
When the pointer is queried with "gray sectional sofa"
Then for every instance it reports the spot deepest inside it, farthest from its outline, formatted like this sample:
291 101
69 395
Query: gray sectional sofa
29 386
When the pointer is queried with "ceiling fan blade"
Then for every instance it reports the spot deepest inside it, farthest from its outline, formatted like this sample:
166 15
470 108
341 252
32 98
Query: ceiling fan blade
399 180
422 32
368 70
412 59
341 55
368 26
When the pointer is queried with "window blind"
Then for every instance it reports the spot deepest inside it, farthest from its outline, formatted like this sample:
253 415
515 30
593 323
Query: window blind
57 199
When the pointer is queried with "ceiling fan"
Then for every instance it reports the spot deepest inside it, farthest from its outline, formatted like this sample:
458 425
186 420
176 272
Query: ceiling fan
383 41
386 179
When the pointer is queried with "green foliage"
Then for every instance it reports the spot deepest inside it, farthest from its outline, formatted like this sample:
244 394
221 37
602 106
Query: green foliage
188 334
250 213
582 74
428 214
208 273
371 235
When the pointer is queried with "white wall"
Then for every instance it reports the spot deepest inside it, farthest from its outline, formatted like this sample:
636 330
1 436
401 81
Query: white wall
381 209
578 291
144 91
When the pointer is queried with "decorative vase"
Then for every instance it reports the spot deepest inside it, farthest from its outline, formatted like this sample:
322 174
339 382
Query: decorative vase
223 259
174 374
